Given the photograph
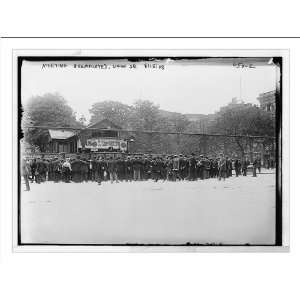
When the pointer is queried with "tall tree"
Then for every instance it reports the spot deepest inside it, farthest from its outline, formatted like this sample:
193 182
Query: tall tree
146 115
50 109
243 119
115 111
47 110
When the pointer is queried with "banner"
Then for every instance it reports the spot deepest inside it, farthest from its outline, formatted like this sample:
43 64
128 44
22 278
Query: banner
100 143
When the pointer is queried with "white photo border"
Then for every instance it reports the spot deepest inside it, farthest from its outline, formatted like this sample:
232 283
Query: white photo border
77 53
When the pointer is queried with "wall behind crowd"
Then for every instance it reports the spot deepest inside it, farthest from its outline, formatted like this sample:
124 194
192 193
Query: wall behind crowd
199 144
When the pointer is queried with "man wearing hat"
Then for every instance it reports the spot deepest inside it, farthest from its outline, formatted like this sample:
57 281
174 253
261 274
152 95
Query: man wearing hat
222 167
192 167
136 164
76 169
25 173
112 169
176 167
66 170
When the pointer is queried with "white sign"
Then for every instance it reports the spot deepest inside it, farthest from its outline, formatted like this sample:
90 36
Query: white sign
100 143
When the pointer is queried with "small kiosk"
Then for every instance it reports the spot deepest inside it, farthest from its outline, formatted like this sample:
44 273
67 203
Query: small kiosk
103 136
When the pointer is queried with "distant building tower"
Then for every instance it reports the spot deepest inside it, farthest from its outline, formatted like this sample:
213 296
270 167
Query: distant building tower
267 101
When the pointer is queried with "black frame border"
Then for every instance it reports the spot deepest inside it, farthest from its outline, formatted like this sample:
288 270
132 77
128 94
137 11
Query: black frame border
278 60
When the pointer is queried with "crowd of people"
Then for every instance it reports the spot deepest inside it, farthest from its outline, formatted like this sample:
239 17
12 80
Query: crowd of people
135 168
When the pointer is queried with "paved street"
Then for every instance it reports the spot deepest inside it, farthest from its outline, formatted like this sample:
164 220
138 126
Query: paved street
238 211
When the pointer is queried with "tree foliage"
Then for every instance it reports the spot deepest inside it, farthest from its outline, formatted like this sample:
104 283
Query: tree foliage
115 111
142 115
146 115
243 119
47 110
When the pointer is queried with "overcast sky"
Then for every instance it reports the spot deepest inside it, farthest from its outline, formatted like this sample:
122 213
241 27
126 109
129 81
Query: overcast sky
179 87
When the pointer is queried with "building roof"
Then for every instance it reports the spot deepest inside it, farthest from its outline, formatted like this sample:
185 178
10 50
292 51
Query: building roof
104 124
269 93
267 97
61 134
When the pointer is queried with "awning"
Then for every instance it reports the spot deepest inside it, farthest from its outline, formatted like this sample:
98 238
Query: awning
61 134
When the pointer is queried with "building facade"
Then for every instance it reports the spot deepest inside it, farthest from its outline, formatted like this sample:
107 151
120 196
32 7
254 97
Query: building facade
103 136
62 140
267 101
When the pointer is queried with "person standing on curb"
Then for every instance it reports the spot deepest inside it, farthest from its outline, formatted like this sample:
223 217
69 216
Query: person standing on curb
25 173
